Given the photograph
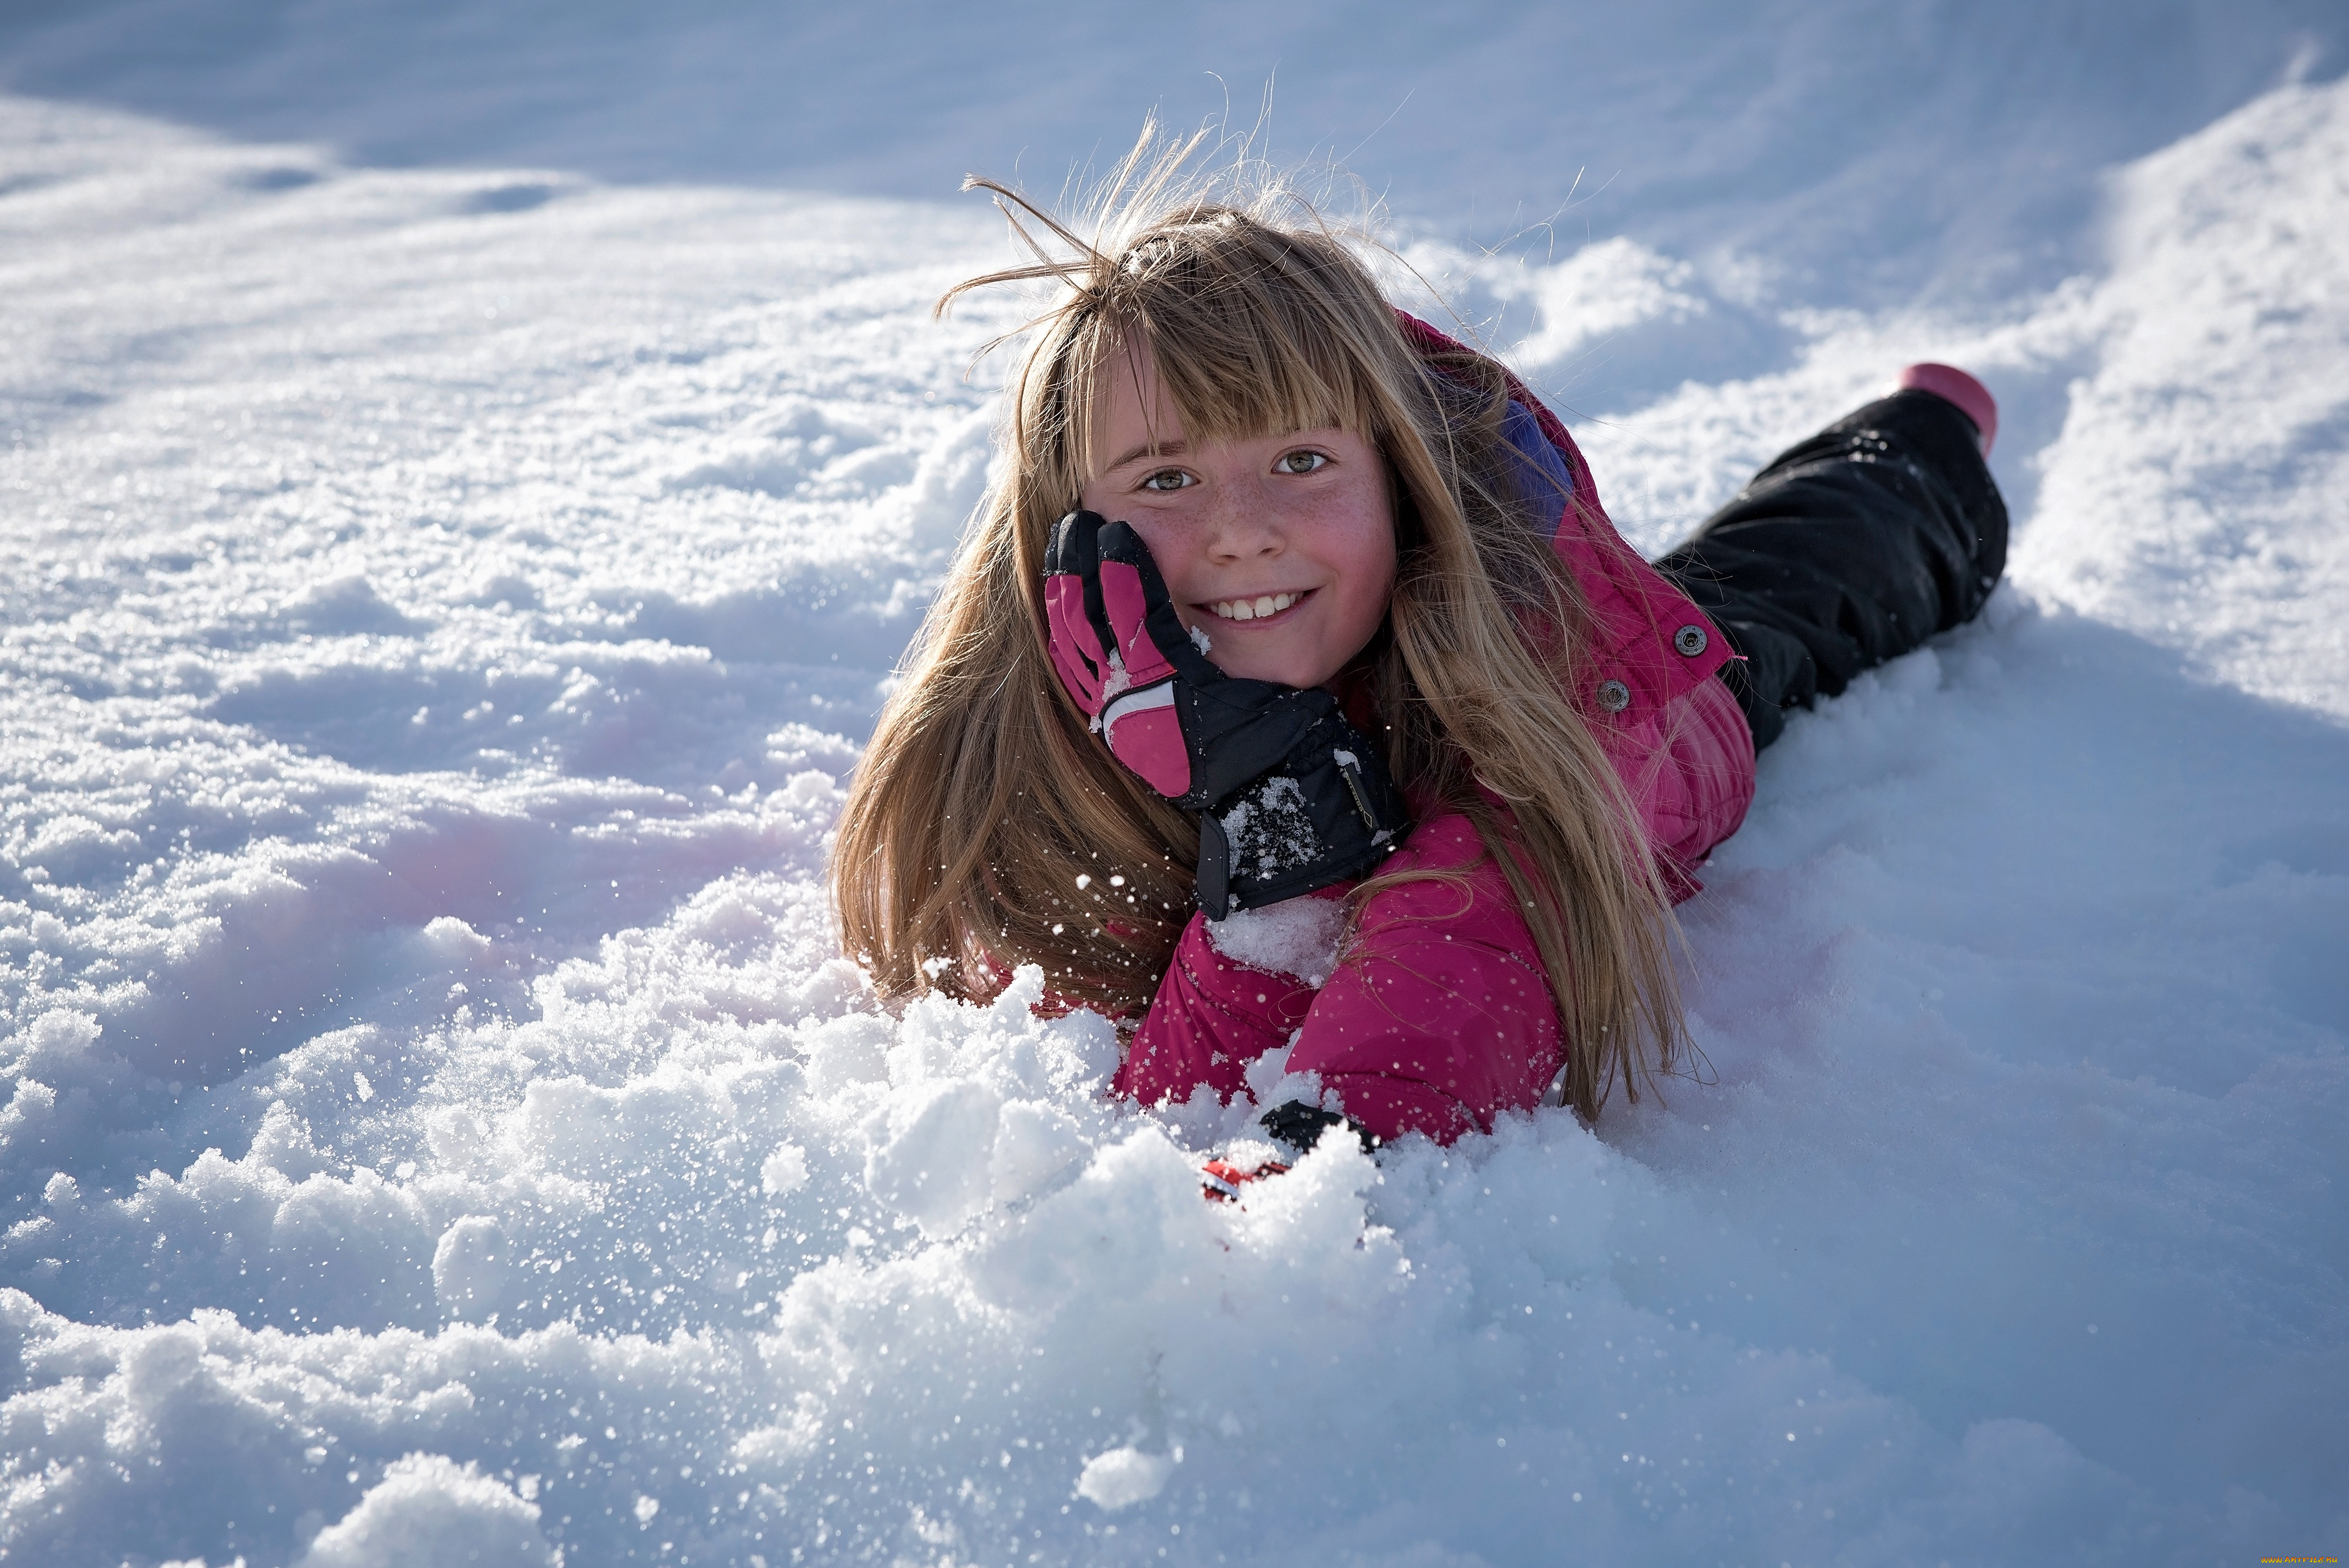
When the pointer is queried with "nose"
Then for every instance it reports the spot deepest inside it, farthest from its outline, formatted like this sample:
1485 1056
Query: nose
1239 527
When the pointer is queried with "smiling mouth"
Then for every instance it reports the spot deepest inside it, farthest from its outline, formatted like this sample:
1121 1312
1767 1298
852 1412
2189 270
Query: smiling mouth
1261 608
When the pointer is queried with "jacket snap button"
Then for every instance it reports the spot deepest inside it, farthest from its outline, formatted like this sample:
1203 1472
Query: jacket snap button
1689 640
1614 696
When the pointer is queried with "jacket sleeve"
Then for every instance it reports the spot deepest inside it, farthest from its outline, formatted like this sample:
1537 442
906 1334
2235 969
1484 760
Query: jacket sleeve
1213 1016
1439 1015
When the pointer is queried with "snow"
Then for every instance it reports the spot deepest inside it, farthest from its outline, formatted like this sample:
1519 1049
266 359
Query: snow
1295 936
429 1510
1271 829
1120 1478
470 474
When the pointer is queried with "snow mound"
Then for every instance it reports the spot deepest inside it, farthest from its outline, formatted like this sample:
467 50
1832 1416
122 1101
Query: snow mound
441 606
428 1512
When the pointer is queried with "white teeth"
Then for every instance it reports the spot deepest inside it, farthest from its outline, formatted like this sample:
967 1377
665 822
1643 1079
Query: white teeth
1253 609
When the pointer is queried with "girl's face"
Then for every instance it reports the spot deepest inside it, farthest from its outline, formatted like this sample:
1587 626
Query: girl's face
1279 547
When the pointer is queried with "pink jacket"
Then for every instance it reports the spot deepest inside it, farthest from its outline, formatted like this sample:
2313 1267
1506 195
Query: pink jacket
1437 1014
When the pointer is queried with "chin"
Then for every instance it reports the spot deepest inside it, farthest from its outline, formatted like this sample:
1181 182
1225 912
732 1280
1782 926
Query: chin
1281 667
1282 673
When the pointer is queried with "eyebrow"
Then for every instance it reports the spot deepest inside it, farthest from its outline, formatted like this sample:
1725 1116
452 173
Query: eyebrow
1175 447
1150 448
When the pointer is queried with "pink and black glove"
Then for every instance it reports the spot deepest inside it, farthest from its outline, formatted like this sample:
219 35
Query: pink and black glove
1296 1123
1300 1127
1220 1180
1290 797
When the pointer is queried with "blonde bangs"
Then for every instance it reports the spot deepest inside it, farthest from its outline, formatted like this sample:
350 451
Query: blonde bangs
1235 369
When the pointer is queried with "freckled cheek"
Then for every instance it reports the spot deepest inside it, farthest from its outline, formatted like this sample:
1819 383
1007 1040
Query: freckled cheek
1359 543
1369 587
1170 549
1154 533
1357 621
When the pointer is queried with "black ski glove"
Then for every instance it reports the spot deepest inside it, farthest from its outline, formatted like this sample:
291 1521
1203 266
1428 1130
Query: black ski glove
1290 797
1297 1125
1300 1127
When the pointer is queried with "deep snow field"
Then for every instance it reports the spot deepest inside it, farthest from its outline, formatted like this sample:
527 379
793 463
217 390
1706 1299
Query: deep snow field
452 543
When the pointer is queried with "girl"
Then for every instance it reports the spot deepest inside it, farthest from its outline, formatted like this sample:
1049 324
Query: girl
1293 690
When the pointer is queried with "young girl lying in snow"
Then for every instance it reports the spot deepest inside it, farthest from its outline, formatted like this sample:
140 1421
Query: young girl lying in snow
1294 690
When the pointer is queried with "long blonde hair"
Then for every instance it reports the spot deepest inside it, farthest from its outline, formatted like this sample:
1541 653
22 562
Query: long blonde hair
986 828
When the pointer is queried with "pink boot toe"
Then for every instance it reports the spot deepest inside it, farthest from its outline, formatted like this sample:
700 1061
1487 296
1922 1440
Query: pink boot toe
1953 385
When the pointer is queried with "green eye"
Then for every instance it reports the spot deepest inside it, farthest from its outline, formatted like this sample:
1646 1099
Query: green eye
1167 479
1301 462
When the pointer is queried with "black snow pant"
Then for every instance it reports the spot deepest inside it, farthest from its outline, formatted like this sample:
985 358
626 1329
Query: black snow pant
1850 549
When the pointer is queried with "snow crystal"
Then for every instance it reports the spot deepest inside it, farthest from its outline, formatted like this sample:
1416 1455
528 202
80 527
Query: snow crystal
783 1172
1114 686
1123 1477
